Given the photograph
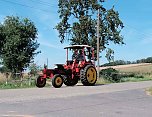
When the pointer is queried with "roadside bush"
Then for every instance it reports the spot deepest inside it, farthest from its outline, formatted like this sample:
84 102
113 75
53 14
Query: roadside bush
139 76
111 75
126 75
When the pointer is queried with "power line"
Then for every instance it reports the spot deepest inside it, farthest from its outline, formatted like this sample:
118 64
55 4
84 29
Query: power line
43 3
116 1
140 33
11 2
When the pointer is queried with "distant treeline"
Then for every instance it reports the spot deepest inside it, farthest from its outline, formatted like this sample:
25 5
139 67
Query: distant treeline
122 62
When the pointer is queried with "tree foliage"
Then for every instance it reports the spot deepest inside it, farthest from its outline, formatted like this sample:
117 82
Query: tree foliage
34 69
145 60
18 43
117 62
1 39
78 23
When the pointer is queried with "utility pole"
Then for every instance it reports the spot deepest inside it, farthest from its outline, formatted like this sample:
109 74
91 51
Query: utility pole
98 36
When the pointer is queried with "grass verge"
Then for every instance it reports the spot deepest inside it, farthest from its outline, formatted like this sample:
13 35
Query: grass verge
16 85
134 79
127 79
19 85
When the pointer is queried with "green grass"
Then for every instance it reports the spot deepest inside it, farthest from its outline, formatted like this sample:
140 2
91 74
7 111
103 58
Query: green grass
19 85
16 85
126 79
134 79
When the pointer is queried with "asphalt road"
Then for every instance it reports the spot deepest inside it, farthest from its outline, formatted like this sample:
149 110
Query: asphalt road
113 100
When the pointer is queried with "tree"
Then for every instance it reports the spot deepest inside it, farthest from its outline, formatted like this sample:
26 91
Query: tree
19 44
1 39
34 69
109 55
149 60
78 23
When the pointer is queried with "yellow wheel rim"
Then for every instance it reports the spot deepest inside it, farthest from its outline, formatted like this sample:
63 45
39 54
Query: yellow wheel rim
91 75
58 81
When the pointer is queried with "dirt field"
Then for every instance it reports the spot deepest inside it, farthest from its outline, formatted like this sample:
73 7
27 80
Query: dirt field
144 68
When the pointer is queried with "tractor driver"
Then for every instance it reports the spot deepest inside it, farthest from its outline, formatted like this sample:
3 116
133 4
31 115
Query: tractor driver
75 54
80 56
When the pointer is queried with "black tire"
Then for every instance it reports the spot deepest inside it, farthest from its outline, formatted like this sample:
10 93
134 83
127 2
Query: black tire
88 76
57 81
40 82
68 81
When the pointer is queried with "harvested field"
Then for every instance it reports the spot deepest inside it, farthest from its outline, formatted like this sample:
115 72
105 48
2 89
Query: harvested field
144 68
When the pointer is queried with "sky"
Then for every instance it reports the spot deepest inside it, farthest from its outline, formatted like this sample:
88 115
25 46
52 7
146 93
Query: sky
137 33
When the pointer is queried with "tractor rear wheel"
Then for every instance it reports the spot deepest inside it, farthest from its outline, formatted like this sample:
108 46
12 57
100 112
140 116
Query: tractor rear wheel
57 81
68 81
88 76
40 81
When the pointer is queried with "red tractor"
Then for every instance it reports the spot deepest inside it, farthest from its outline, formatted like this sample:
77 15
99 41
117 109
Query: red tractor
81 67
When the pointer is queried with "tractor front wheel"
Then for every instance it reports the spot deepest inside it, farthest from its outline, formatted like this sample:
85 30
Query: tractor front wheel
57 81
88 75
40 81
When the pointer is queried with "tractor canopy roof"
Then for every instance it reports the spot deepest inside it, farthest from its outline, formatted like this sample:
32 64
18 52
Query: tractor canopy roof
77 46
